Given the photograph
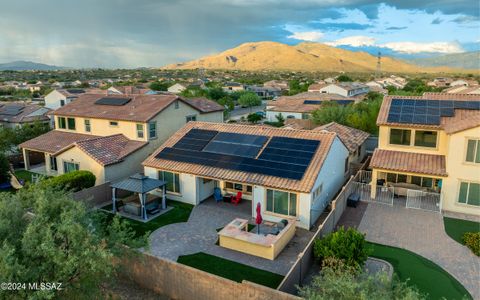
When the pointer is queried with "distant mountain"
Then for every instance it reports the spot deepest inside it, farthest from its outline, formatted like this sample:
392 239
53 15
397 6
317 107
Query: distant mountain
467 60
22 65
305 56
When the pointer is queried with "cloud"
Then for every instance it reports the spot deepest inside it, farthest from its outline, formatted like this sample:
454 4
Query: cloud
396 28
466 19
437 21
355 41
311 36
412 47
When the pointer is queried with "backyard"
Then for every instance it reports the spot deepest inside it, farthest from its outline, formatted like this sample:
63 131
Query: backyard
455 228
428 277
229 269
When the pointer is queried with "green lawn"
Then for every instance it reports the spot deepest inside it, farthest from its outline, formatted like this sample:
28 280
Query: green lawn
455 228
179 213
24 175
230 269
428 277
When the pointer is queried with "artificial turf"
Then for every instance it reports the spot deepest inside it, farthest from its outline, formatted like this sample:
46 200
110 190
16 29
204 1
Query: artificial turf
230 269
455 228
24 175
179 213
428 277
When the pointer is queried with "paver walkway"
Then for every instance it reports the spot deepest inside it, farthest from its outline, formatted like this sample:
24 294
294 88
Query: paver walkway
422 232
199 235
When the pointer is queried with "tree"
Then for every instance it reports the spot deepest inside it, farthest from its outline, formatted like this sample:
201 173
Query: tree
344 78
10 137
249 99
48 237
4 169
158 86
254 118
216 93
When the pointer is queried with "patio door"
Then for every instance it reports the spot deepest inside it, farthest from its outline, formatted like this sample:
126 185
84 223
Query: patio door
53 163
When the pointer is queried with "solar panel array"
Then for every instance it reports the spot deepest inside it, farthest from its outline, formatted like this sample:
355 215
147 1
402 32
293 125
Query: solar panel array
426 112
113 101
75 91
247 145
318 102
282 157
11 110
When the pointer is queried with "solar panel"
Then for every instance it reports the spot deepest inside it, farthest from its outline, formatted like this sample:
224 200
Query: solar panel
75 91
233 149
237 138
344 102
318 102
195 139
113 101
11 110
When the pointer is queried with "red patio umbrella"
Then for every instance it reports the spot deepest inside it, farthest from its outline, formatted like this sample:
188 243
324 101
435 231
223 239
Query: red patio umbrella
258 219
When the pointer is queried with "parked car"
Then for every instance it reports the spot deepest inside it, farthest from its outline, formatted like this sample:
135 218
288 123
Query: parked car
261 114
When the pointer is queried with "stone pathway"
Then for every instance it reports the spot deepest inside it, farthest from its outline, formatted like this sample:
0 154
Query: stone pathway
199 235
422 232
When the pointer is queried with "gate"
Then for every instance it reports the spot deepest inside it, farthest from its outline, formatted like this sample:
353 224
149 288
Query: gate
423 200
384 194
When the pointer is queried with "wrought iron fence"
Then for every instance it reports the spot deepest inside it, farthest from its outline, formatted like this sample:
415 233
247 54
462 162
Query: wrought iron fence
423 200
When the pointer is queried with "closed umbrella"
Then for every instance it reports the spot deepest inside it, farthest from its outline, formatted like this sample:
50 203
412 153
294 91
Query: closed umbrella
258 219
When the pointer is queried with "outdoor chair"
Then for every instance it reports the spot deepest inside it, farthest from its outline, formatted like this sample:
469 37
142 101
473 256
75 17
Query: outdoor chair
119 204
236 199
217 194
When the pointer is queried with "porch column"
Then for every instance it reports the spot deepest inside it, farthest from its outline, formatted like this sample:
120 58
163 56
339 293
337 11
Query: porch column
26 159
142 203
48 167
114 200
373 185
164 200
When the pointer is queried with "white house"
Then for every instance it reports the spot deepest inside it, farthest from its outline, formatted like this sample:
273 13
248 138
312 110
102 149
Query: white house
59 97
291 173
346 89
177 88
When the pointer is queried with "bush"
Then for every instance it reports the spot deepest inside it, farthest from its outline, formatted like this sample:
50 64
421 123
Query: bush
73 181
472 241
347 245
4 169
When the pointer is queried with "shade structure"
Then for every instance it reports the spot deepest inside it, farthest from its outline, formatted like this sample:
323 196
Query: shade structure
258 218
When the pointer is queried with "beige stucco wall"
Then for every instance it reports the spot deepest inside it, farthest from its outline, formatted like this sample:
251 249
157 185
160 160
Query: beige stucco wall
85 163
384 142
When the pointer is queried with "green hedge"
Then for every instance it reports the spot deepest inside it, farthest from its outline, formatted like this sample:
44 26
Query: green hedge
72 181
472 241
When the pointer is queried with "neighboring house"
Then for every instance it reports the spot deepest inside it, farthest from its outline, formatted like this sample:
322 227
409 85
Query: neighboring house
302 105
60 97
177 88
265 93
127 90
354 139
431 143
329 80
291 173
440 82
19 114
474 89
316 87
233 87
376 86
111 135
279 84
346 89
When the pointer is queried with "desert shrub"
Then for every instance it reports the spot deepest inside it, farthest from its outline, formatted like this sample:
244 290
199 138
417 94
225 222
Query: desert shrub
472 241
346 245
73 181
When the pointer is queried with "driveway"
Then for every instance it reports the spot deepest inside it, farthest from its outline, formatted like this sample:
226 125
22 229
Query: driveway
422 232
199 235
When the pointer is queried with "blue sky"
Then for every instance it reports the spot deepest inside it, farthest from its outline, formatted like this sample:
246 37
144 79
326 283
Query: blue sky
128 33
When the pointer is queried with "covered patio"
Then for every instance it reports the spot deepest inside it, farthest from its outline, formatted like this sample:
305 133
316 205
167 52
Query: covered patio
139 204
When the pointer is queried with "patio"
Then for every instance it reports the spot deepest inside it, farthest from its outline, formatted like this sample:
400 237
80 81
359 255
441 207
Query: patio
200 234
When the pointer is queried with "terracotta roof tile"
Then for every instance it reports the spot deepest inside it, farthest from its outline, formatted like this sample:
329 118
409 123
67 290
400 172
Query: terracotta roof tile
428 164
296 103
54 141
351 137
304 185
204 105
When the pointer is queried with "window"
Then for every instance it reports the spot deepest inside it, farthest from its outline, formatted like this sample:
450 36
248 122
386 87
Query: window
400 136
469 193
191 118
114 123
422 181
317 192
62 123
473 151
206 180
172 179
70 167
283 203
71 123
426 138
177 104
53 163
140 131
62 102
396 178
238 187
87 125
152 129
346 165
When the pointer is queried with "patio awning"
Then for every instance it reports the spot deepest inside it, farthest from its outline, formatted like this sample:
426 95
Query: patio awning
138 183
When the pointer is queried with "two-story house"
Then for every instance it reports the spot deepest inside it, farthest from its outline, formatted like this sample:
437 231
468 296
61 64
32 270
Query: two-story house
111 135
346 89
430 146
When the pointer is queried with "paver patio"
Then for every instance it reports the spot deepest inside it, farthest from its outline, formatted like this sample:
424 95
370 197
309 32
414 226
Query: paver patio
199 235
422 232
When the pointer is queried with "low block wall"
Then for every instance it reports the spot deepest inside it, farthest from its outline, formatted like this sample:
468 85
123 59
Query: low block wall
95 195
179 281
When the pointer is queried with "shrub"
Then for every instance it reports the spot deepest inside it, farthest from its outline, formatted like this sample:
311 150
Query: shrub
73 181
472 241
347 245
4 169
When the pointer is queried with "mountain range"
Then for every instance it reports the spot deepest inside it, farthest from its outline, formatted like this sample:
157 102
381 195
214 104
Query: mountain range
306 56
467 60
22 65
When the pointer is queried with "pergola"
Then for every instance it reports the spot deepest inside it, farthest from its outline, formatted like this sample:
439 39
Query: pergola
141 184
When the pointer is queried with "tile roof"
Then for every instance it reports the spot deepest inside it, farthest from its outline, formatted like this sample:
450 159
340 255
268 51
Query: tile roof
351 137
140 108
54 141
26 112
299 124
296 103
204 105
317 86
463 90
420 163
304 185
462 120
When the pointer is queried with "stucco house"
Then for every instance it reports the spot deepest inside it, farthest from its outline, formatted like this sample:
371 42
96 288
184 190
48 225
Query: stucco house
111 135
291 173
346 89
60 97
430 146
127 90
18 114
177 88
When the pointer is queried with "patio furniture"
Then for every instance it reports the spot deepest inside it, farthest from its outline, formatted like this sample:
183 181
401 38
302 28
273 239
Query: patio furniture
401 188
236 199
217 194
353 200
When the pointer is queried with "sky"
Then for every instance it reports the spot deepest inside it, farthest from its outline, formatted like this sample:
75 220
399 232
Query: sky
153 33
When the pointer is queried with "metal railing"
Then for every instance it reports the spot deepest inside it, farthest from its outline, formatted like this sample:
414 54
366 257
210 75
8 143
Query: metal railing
423 200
